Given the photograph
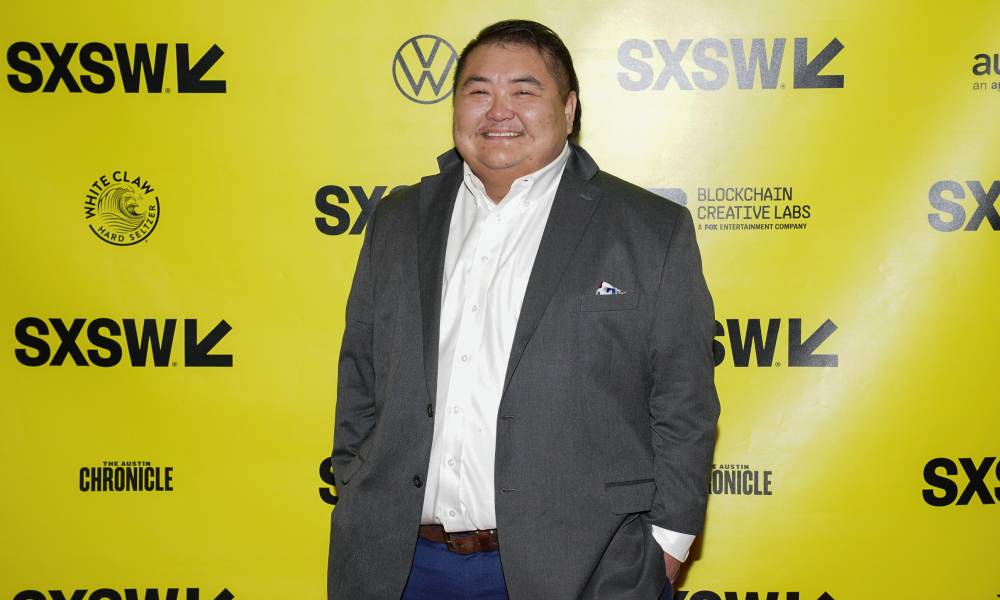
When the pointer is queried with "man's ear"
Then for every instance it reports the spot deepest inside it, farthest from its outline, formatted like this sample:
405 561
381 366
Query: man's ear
570 111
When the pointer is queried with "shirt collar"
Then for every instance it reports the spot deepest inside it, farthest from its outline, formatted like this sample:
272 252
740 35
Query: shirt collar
540 179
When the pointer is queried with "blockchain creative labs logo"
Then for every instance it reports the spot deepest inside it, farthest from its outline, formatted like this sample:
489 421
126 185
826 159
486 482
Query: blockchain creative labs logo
116 593
739 480
121 208
422 68
986 70
751 208
126 476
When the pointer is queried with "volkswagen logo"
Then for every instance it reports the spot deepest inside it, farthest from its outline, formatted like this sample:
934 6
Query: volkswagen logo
422 68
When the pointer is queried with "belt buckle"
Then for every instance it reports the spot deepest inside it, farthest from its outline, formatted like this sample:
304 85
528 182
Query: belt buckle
450 542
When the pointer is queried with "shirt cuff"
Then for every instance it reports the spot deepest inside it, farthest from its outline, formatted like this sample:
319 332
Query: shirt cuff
673 543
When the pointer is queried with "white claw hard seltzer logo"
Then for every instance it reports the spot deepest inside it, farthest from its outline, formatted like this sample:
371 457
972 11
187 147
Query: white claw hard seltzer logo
422 68
121 208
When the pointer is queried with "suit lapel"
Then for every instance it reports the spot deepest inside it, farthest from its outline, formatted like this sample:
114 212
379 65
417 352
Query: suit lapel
572 209
437 200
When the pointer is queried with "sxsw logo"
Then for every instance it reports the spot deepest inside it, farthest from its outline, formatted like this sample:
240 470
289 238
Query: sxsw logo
125 594
750 339
422 67
47 68
326 475
942 475
331 200
750 60
112 341
948 196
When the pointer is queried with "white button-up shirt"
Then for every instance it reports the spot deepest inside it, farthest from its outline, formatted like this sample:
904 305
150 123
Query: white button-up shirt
490 252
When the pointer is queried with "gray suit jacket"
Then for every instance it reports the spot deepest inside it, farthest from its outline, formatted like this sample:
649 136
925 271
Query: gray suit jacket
608 415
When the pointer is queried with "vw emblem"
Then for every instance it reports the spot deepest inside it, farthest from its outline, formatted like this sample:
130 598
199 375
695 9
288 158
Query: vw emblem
422 68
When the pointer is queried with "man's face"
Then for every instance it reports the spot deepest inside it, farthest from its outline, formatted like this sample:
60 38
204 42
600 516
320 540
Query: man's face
510 118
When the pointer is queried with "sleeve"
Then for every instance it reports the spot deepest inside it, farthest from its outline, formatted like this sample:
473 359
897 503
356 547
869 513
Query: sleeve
355 404
683 404
674 543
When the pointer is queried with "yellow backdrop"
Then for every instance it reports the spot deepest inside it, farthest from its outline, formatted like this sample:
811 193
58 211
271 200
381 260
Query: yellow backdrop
185 183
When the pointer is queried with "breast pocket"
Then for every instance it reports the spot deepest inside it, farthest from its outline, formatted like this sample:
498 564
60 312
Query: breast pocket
595 303
608 330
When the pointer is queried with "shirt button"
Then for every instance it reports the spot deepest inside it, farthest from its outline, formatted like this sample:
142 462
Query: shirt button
417 481
475 307
430 410
451 462
451 513
465 358
484 259
455 409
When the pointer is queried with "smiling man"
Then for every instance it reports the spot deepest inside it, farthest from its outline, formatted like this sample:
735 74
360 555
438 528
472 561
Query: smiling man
525 404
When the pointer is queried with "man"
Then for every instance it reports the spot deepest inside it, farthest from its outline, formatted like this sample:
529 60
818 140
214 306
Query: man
526 403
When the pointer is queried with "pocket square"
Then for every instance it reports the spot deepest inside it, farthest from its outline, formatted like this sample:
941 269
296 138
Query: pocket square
606 289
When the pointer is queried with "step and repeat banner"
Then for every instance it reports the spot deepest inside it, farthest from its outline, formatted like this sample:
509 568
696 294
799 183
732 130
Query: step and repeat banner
185 188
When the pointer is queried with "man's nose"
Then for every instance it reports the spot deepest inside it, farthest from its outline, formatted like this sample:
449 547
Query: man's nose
500 109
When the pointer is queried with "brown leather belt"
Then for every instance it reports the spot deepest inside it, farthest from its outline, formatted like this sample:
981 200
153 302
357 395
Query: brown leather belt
462 542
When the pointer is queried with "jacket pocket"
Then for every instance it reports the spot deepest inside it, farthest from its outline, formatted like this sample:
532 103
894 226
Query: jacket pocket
633 496
593 302
346 472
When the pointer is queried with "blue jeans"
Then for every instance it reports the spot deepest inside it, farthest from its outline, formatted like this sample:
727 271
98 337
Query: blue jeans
668 592
440 574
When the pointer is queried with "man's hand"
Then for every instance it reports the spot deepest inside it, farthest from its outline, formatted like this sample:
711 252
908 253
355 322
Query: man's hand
673 567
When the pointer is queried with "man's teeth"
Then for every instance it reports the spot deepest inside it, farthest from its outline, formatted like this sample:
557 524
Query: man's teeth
502 134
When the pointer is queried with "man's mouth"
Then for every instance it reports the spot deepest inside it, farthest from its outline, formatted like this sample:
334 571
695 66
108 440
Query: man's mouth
501 134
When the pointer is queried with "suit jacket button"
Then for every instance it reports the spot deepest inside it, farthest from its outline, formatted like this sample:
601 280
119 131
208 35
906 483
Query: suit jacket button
417 481
430 410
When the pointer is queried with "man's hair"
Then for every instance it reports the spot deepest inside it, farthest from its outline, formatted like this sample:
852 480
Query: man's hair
542 39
